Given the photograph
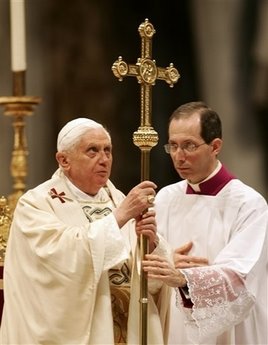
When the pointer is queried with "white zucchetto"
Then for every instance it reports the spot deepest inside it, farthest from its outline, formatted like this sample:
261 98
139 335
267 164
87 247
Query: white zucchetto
73 130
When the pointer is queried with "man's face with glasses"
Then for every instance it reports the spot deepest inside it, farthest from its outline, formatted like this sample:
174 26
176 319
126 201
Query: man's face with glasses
193 159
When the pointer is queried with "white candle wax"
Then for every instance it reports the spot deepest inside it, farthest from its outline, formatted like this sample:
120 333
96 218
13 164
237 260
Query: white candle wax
18 49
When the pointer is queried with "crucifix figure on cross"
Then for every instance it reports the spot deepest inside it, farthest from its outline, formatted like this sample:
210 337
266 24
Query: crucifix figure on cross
146 72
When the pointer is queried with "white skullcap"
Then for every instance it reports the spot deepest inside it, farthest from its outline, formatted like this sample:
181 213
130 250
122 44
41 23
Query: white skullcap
73 130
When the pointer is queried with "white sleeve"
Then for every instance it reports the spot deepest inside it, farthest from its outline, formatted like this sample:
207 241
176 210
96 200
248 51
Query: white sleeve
220 300
224 293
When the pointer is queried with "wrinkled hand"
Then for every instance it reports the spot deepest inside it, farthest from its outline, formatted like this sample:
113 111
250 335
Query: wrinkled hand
135 202
183 260
146 226
160 268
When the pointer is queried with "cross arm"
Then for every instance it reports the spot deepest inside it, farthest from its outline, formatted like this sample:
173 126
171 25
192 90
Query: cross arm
146 71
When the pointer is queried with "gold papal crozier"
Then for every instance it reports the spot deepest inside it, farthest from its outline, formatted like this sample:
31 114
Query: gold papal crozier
146 72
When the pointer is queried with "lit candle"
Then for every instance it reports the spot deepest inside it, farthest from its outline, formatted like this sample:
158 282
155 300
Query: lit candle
17 19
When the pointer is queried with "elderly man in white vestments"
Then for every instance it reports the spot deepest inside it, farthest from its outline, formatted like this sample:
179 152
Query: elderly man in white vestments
219 227
72 265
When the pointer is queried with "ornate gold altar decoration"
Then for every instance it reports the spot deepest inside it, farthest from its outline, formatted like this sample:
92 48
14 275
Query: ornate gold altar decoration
146 72
5 221
18 107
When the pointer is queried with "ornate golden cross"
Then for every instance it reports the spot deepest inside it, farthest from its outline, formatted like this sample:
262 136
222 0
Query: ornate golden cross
146 72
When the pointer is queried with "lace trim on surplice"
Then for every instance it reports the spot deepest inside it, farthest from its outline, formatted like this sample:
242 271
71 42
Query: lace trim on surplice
220 301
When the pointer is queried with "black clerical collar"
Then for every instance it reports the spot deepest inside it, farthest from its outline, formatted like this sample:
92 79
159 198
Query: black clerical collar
213 185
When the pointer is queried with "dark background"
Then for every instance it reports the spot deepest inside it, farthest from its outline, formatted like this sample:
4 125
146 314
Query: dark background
71 46
109 29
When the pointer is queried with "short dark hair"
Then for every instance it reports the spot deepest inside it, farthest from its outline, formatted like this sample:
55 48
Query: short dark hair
211 126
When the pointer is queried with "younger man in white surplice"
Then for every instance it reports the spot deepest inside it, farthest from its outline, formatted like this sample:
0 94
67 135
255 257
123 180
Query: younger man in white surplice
218 227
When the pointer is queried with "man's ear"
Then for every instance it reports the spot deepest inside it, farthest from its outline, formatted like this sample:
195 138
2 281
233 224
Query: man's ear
62 159
216 145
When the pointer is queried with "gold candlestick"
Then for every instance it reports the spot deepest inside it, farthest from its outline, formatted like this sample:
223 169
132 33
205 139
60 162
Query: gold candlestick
18 107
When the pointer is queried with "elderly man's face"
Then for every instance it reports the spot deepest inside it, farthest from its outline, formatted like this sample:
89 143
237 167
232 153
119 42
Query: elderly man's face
88 166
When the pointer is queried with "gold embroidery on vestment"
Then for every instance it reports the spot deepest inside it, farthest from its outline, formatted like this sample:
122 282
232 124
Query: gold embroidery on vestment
94 209
120 295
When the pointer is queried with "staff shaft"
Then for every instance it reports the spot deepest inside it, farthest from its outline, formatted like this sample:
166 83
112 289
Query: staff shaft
144 248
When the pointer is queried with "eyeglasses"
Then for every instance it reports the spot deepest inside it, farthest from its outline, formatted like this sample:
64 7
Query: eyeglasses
187 146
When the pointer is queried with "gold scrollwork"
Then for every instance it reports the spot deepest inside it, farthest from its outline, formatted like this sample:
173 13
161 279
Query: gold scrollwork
145 137
120 68
173 74
146 29
5 222
148 71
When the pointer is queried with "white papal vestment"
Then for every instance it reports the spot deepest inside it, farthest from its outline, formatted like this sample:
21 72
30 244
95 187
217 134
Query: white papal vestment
56 285
230 295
